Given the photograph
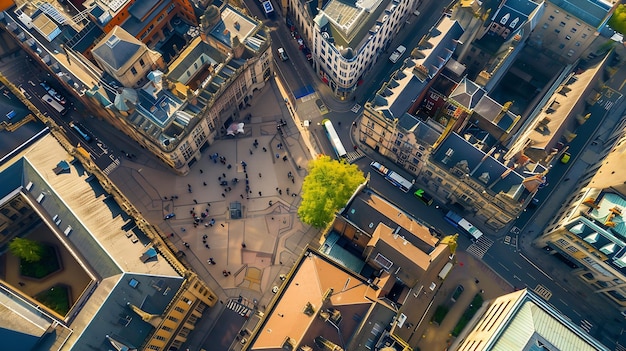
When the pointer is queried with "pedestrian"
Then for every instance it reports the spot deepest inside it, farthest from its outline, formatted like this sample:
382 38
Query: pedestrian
260 175
219 179
201 171
189 185
285 158
241 196
223 195
229 166
224 175
277 156
251 153
204 183
229 189
280 192
293 180
243 245
264 149
222 224
207 246
183 230
356 147
270 202
195 201
287 191
186 245
339 124
260 194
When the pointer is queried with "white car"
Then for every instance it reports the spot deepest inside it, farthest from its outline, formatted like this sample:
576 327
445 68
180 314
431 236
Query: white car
282 54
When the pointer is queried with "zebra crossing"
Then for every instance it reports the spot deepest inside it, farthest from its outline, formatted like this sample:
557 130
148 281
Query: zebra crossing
111 167
543 292
479 247
239 308
586 325
352 157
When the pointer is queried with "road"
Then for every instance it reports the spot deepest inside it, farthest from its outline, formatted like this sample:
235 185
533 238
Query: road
26 75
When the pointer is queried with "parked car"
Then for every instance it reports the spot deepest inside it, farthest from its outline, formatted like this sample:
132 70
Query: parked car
282 54
565 158
457 292
169 215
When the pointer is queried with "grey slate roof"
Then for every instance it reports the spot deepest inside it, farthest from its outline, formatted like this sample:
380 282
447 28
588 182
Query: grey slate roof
117 319
463 150
116 48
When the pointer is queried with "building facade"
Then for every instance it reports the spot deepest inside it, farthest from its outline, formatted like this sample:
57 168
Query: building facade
347 39
568 29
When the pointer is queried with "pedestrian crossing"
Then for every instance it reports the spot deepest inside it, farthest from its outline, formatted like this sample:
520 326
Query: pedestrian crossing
479 247
352 157
111 167
586 325
543 292
242 310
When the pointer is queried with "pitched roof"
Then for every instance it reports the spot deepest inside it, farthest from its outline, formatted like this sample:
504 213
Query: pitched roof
117 48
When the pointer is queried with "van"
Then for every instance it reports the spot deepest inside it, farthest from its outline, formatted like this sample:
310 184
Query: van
282 54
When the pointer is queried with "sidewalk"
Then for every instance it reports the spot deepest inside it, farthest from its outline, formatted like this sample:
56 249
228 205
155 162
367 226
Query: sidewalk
475 277
267 239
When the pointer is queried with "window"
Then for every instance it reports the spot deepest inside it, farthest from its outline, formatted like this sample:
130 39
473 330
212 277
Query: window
557 31
178 309
550 18
584 35
153 347
141 62
545 25
562 24
573 30
577 43
567 37
133 71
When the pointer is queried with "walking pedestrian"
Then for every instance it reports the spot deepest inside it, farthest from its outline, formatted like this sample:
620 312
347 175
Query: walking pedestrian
201 171
223 195
241 196
277 156
260 194
293 180
195 201
204 183
251 153
224 175
260 175
264 149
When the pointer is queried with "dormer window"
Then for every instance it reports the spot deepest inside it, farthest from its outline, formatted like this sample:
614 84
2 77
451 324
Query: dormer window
505 18
514 22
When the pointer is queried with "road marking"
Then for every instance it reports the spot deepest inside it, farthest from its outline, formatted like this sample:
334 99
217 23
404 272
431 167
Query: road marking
579 315
563 302
539 269
561 286
531 276
621 86
543 292
518 266
503 266
480 247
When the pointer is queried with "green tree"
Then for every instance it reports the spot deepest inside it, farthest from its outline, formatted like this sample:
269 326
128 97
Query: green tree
327 188
26 249
618 20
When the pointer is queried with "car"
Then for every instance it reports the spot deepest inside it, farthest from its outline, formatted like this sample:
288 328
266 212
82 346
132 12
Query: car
282 54
565 158
416 13
457 292
169 215
534 202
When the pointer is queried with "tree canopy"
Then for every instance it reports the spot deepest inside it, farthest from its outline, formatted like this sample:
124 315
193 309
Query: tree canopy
327 188
618 20
26 249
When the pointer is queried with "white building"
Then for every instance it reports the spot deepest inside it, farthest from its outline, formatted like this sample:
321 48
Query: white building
347 39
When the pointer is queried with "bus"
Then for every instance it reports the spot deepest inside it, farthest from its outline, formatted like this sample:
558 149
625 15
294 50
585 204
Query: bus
340 151
54 104
268 9
395 179
392 177
82 131
462 223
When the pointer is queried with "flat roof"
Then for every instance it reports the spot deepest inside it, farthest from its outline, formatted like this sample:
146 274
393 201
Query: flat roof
233 23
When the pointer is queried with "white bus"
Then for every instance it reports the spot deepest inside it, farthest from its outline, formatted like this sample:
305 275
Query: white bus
395 179
54 104
340 151
464 224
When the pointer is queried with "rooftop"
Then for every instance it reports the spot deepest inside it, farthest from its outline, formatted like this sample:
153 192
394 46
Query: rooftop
395 97
521 320
142 12
593 12
319 285
367 210
117 48
233 24
106 240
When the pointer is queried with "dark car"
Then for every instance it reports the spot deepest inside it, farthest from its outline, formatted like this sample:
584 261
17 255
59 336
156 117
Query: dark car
457 292
169 215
